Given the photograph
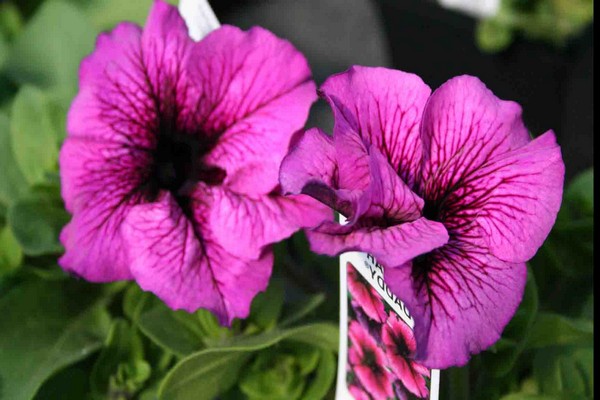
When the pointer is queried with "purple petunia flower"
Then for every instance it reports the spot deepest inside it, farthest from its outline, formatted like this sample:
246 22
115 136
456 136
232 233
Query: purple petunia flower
447 190
171 161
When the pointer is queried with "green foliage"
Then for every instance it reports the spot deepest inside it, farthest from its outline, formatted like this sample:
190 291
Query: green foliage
267 306
105 14
34 137
12 181
553 21
37 219
120 369
11 21
45 327
48 51
504 354
11 254
214 370
178 332
279 375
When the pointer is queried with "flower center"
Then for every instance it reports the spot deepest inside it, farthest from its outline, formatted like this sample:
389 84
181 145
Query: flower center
431 211
370 359
401 347
179 162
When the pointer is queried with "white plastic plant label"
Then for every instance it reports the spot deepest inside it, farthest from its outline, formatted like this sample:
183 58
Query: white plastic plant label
199 17
376 338
475 8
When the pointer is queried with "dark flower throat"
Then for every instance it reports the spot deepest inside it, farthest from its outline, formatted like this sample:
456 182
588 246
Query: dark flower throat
179 162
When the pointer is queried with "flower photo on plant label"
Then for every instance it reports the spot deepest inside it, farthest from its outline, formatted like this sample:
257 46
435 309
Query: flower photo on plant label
387 345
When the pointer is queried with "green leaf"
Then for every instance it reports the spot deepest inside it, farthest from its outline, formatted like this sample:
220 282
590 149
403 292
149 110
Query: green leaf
11 22
323 378
584 363
587 311
210 329
203 375
175 331
321 334
516 332
303 309
37 220
123 345
46 326
557 330
570 247
12 181
272 375
580 193
48 51
528 396
136 301
128 379
266 306
306 356
69 384
11 254
567 372
104 14
213 371
33 134
3 51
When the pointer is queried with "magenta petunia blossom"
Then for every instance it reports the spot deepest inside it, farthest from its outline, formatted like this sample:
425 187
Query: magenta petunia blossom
367 362
400 347
365 296
171 161
447 190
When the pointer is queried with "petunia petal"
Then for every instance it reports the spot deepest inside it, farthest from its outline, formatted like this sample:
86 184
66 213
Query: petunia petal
185 267
385 107
391 246
99 181
391 198
312 159
317 164
310 168
463 297
254 92
244 225
165 48
518 196
111 104
464 126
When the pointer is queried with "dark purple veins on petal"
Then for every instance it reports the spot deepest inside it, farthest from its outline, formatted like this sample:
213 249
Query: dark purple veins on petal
149 114
179 153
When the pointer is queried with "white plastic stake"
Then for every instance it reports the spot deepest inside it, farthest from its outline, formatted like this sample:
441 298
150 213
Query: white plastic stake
199 17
